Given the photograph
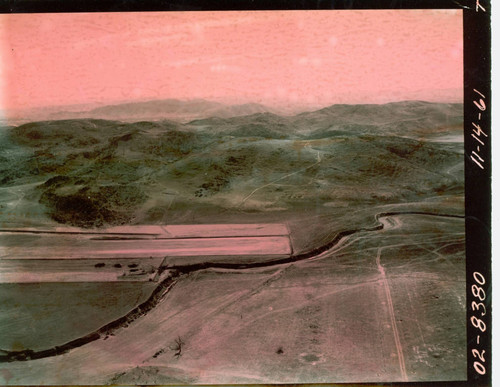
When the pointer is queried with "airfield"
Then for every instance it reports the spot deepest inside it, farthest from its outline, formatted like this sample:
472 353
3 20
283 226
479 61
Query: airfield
323 247
355 312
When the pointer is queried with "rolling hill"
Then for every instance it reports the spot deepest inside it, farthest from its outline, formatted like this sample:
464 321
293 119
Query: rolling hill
95 172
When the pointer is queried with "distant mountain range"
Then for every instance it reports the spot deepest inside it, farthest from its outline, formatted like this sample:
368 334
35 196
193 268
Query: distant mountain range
209 113
156 110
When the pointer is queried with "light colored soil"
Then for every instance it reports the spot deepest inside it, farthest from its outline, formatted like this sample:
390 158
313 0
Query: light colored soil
159 248
387 306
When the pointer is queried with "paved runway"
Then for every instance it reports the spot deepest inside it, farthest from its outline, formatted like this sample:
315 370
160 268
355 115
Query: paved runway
62 255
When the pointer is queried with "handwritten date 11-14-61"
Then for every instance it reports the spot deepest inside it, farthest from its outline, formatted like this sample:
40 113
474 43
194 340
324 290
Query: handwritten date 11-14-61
478 133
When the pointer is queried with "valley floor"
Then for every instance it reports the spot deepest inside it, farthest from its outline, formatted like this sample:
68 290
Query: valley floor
381 305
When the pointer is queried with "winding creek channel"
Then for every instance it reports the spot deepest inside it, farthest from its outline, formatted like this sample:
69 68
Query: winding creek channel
172 274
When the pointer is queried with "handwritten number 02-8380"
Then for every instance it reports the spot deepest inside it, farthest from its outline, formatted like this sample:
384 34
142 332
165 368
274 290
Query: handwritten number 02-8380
479 293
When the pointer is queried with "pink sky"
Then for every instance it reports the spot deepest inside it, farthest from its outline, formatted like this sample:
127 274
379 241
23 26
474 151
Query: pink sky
280 58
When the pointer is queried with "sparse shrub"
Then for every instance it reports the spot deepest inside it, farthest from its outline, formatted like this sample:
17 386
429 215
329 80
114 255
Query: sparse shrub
157 213
177 347
34 135
214 185
56 181
158 353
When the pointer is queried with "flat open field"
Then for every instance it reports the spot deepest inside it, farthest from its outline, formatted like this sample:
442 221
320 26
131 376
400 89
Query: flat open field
382 305
38 316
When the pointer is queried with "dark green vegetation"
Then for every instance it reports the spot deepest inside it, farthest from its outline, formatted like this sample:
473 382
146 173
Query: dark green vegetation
92 173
